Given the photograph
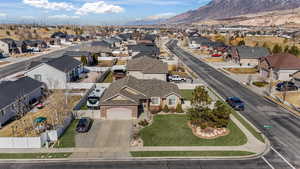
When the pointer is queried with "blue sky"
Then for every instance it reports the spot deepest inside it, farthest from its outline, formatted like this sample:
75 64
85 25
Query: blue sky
94 12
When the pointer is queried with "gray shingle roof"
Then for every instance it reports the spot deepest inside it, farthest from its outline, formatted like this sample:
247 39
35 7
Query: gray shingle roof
146 89
64 63
246 52
11 90
147 66
77 53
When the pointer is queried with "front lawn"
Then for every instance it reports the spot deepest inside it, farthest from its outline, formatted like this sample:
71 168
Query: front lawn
242 70
189 153
186 94
172 130
67 140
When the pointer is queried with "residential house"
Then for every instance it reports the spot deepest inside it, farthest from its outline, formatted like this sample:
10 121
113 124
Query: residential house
247 55
78 54
56 73
18 94
279 66
196 42
8 46
147 68
296 78
34 45
127 98
148 50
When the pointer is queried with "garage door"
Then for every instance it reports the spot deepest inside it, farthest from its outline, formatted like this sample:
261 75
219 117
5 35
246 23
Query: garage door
119 114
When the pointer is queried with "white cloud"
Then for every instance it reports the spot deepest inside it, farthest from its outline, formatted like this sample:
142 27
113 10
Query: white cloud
98 8
63 17
49 5
3 14
27 17
160 16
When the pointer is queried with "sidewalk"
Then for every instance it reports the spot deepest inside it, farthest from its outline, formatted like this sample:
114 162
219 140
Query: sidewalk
252 145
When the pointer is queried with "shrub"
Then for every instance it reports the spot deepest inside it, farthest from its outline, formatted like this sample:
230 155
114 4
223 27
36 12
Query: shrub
166 109
144 123
260 84
179 108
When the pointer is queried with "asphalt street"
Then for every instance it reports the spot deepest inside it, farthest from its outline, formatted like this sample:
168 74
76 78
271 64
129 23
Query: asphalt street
284 135
154 164
21 66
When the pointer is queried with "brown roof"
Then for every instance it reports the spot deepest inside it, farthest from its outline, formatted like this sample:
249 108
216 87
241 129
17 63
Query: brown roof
147 65
283 61
145 89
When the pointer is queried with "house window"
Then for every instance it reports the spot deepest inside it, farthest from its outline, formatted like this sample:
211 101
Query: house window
172 100
155 101
38 77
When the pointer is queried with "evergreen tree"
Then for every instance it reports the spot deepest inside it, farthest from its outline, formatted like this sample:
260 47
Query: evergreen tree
286 49
83 60
179 108
294 50
277 49
242 43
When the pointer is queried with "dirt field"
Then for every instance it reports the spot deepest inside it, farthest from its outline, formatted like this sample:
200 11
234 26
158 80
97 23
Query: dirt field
291 97
270 40
121 62
105 63
214 59
28 120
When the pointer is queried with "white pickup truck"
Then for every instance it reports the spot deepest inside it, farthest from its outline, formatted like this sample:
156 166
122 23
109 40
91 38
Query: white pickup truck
176 78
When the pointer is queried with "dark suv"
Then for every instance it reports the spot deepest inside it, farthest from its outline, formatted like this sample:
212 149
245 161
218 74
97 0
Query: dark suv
286 86
84 125
236 103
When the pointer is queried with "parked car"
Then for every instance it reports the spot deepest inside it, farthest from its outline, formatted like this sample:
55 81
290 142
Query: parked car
84 125
216 55
286 86
236 103
176 78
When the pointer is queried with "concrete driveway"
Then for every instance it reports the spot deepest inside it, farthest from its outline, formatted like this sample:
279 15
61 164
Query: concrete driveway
107 139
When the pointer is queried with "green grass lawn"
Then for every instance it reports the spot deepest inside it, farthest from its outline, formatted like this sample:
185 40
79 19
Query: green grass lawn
67 140
189 153
172 130
109 78
33 155
186 94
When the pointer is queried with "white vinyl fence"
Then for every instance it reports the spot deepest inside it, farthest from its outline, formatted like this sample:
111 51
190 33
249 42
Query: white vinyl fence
35 142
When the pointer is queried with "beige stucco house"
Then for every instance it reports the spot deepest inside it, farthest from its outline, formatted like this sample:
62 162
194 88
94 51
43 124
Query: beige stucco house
128 97
147 68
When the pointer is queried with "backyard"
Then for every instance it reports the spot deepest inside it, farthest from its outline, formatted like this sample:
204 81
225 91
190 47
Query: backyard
173 130
28 119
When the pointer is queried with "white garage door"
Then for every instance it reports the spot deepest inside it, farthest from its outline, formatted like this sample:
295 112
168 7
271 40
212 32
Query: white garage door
119 114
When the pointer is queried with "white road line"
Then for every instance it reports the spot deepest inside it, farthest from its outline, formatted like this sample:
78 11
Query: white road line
284 159
269 164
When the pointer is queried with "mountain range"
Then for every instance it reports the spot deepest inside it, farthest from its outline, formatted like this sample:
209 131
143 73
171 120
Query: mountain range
224 9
